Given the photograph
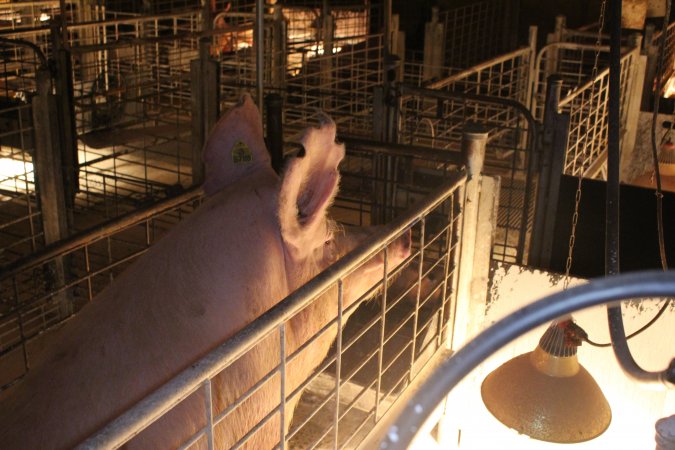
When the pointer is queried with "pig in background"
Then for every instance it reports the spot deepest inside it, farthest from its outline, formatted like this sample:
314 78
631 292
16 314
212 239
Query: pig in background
255 239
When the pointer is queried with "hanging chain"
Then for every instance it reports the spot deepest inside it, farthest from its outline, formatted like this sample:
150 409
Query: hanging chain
577 197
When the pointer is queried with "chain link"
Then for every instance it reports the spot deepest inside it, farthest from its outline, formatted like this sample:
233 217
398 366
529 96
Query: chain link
577 197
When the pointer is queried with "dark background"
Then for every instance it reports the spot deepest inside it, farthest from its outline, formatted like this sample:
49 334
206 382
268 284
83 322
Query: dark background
638 239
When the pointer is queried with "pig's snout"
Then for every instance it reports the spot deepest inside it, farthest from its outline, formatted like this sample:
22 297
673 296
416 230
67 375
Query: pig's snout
399 249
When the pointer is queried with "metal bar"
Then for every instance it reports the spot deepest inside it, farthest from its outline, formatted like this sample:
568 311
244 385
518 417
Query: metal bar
89 236
420 269
338 362
163 399
259 36
282 390
477 69
208 405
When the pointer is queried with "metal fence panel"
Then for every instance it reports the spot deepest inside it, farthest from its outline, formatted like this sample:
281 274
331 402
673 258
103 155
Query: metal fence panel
379 353
434 119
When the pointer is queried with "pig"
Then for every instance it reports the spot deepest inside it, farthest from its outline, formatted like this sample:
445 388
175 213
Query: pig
256 238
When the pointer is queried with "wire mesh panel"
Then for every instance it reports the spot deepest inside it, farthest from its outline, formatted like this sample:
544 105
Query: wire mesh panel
33 299
34 14
587 106
367 367
572 62
132 109
20 221
436 119
506 76
340 83
478 31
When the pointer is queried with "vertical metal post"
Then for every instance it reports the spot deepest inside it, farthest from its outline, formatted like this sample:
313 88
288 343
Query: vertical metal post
50 181
275 140
326 77
397 48
204 83
387 28
278 49
532 70
651 51
259 43
474 141
67 136
555 137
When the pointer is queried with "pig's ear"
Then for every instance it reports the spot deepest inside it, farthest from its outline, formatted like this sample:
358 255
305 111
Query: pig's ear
307 190
235 147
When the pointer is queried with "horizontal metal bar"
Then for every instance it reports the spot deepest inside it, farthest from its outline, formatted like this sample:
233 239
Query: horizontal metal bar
405 89
424 153
101 231
23 43
478 67
117 432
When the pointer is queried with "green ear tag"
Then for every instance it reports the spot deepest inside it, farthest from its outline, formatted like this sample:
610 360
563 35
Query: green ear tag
241 154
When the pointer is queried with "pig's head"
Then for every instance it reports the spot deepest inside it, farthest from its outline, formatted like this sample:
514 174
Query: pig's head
312 240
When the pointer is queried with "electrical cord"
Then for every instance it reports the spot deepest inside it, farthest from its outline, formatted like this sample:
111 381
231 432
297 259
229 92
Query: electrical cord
616 327
579 333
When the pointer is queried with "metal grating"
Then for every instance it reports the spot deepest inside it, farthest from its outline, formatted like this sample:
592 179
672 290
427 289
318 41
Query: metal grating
478 31
376 356
588 110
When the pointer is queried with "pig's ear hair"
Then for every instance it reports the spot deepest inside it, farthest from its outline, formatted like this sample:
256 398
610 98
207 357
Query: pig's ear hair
308 188
235 147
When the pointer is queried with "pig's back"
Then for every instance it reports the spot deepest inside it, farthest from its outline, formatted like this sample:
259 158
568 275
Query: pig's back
190 292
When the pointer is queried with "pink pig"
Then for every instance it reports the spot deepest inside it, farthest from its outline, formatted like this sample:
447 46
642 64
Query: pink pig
255 240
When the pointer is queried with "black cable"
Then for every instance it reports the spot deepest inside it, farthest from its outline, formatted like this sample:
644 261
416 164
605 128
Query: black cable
656 317
616 329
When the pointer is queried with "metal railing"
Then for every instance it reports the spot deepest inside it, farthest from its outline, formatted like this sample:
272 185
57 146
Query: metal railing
353 401
398 334
34 299
506 76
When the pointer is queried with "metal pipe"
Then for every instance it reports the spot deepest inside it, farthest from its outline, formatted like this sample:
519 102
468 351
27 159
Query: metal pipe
259 40
23 43
101 231
275 137
180 387
637 285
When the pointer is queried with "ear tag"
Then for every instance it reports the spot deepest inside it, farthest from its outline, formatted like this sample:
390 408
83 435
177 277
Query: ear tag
241 154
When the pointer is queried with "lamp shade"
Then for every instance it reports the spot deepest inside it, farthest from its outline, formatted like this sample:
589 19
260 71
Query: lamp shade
547 394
